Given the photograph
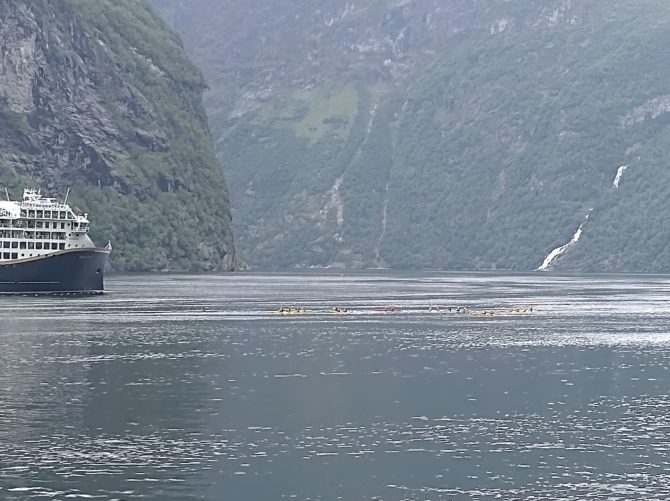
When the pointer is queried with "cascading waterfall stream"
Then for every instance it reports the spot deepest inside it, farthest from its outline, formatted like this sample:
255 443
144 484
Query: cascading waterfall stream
619 174
559 251
378 257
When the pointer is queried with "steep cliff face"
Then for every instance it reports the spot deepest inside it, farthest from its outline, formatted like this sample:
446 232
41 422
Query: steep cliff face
459 134
100 96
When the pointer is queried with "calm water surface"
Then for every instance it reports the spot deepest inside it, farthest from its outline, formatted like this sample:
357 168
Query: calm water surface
195 387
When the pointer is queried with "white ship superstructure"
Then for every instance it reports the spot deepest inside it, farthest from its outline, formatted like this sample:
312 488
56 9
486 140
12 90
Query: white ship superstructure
39 226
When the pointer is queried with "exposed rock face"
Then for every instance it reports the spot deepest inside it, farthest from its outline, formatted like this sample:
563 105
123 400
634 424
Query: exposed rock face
18 65
263 46
99 96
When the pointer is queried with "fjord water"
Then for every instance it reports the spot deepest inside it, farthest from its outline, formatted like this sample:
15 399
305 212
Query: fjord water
194 387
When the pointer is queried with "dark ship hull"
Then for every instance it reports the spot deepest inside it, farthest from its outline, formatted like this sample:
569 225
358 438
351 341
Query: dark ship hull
69 271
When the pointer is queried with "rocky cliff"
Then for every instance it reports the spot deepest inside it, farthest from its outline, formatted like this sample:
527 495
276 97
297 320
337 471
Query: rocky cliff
100 97
459 134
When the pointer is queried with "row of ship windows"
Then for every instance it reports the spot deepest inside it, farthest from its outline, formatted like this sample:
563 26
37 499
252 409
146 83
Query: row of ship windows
15 255
47 214
34 245
36 224
39 235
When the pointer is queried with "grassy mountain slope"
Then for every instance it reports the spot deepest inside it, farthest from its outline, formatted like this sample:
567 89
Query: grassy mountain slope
456 134
101 96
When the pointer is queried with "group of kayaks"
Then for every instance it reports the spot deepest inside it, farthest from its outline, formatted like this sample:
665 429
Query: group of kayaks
337 310
501 311
297 310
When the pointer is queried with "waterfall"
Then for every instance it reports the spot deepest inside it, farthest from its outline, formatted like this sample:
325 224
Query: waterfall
559 251
619 173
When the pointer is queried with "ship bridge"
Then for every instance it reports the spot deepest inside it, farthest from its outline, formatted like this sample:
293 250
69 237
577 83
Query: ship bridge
9 209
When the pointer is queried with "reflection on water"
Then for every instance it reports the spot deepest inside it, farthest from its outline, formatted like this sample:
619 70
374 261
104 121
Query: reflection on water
198 387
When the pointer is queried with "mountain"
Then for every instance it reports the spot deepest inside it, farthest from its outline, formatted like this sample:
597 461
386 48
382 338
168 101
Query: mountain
100 96
452 134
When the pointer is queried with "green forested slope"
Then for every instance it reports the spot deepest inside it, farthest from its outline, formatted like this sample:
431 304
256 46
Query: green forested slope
459 135
514 151
100 96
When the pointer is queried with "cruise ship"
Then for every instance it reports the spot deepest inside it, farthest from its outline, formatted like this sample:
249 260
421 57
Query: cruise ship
45 248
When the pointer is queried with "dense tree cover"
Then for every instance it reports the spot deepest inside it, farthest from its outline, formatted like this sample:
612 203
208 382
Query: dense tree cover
482 135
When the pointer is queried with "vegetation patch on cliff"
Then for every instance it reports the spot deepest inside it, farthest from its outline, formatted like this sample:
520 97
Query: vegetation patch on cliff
330 111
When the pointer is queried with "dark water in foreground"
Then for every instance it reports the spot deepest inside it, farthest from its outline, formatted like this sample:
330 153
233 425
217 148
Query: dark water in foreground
192 387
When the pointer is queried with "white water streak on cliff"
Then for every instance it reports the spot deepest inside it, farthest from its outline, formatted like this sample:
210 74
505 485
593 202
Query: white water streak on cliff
335 202
378 258
619 173
559 251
